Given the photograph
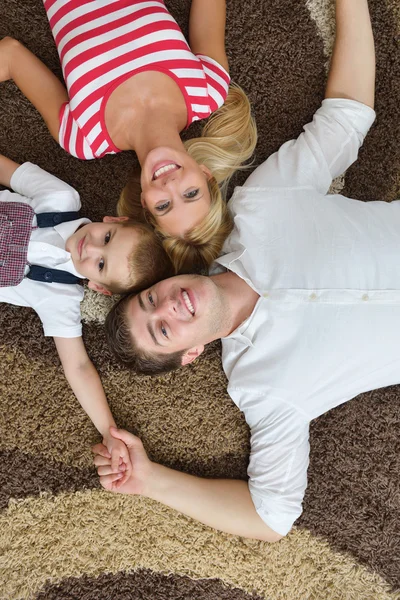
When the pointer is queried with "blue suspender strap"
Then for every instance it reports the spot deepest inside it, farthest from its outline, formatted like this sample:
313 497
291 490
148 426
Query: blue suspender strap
38 273
51 219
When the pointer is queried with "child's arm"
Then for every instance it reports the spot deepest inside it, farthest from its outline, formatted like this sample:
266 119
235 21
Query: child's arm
352 72
86 385
207 29
7 170
34 80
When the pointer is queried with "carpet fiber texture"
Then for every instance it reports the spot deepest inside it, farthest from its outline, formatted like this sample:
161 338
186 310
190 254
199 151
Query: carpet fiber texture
61 535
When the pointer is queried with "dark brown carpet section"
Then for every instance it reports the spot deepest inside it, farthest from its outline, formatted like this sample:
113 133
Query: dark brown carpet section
143 585
353 496
24 475
376 176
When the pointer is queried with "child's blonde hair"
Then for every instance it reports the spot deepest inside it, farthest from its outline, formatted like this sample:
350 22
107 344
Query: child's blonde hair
148 262
228 140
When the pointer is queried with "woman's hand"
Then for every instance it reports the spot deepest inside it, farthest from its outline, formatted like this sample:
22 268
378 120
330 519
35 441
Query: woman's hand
132 482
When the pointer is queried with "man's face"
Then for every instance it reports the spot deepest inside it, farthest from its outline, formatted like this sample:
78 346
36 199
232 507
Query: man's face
100 252
181 313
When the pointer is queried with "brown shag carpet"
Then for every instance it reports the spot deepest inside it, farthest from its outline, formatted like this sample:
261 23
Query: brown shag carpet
63 537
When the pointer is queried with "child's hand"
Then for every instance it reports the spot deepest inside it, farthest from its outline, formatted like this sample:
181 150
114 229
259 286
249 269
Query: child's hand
118 481
120 461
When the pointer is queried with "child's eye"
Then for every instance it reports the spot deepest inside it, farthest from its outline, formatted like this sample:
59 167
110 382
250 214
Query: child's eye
192 194
107 238
150 297
162 206
101 265
164 331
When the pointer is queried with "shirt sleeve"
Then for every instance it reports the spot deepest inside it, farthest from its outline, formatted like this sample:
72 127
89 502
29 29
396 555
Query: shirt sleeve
278 466
326 148
71 137
218 81
43 191
60 311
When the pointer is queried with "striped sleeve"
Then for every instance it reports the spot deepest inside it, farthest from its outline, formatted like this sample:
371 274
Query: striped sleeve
71 137
218 81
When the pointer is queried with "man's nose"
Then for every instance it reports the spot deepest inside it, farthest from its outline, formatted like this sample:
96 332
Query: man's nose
168 307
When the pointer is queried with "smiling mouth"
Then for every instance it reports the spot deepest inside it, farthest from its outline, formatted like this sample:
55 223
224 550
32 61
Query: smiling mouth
80 246
164 170
187 302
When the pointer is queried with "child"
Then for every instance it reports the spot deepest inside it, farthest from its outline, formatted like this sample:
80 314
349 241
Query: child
44 255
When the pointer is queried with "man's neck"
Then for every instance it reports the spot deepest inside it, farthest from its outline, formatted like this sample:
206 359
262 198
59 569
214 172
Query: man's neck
241 298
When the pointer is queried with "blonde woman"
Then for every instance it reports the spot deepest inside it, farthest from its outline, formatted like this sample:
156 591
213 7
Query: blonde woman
134 83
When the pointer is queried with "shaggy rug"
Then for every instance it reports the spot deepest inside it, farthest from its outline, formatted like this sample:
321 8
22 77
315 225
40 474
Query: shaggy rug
61 535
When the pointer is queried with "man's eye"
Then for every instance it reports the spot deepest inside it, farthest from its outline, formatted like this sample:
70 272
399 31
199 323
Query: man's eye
192 194
150 297
101 265
164 331
107 238
163 206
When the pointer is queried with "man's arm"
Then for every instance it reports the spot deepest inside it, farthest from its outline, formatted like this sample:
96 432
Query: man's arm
330 143
207 29
224 504
352 71
34 80
86 385
7 170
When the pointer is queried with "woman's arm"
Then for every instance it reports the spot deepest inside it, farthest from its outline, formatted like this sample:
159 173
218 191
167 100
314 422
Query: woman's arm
34 80
7 170
86 385
352 72
224 504
207 29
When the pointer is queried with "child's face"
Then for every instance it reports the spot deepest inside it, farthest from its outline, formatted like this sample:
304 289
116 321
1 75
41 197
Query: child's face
100 252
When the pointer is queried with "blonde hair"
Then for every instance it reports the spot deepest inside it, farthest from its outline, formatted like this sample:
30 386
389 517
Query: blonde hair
227 140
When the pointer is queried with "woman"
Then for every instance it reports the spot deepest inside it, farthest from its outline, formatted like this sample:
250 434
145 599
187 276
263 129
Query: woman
133 83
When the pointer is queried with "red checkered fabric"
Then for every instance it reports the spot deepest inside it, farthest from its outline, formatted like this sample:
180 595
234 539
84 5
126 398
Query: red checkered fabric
15 232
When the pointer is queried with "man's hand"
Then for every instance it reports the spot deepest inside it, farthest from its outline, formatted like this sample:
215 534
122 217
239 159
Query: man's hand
138 467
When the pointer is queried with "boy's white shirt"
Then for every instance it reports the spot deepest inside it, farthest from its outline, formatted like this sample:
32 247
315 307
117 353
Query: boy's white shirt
58 305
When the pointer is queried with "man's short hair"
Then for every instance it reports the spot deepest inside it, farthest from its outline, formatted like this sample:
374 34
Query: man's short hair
148 262
126 350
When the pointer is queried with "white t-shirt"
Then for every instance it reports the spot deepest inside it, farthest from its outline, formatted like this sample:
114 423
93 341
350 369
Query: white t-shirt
327 324
57 304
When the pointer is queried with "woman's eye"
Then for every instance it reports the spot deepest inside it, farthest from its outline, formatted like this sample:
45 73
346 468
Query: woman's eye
101 265
107 238
162 206
164 331
150 297
192 194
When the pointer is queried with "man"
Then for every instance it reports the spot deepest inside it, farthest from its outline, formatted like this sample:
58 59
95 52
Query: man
308 281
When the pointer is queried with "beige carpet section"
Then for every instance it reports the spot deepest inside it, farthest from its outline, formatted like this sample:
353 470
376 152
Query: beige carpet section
46 419
95 306
95 532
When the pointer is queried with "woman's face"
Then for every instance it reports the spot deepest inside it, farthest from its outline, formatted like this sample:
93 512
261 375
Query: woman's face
175 190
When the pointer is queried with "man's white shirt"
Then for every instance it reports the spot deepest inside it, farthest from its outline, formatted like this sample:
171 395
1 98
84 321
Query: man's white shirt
327 324
57 304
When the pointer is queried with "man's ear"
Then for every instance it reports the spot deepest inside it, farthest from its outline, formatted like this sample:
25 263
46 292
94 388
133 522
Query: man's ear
206 171
191 355
97 287
115 219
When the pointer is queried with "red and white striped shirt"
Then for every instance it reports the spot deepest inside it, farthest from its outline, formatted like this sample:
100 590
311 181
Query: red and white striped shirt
101 44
